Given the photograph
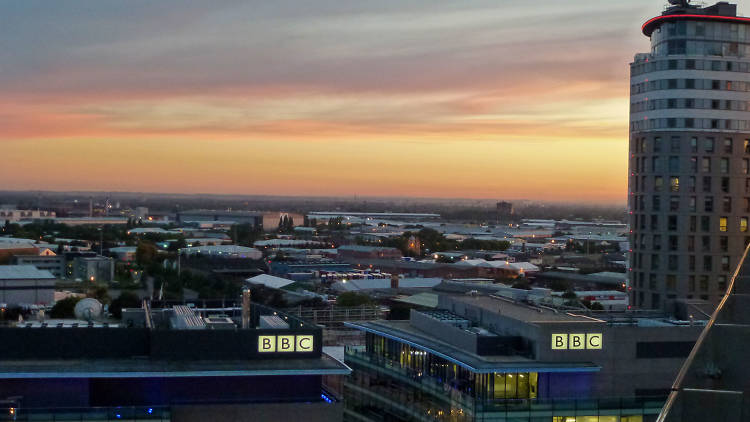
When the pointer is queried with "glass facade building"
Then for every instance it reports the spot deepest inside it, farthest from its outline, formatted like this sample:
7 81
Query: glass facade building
468 362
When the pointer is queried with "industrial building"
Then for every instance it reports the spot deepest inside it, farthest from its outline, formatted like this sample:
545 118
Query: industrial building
22 285
232 217
55 264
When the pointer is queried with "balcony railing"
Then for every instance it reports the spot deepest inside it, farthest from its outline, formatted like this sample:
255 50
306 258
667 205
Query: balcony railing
121 414
454 398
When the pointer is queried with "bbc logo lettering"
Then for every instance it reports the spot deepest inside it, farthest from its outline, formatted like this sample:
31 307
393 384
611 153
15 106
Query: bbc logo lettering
578 341
283 344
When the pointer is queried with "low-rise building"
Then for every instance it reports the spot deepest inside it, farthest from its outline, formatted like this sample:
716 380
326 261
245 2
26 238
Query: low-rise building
26 285
94 268
356 253
54 264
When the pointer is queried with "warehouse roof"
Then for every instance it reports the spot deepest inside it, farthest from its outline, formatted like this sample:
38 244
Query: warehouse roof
23 272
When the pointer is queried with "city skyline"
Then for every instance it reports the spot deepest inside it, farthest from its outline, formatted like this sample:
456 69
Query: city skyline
470 101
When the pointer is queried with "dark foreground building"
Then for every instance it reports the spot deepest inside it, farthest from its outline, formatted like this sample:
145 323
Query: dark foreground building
714 382
487 358
170 364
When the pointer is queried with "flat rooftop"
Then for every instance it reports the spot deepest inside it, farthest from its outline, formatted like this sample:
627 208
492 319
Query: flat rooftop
523 312
24 272
146 368
404 332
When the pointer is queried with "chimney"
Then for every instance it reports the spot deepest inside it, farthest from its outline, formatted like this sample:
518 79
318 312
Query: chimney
394 281
245 308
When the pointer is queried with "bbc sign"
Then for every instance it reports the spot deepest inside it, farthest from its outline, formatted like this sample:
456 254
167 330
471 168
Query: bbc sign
271 344
590 341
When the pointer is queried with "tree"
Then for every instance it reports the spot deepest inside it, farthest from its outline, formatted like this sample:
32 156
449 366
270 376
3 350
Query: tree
559 285
126 299
522 284
145 253
99 293
177 244
352 299
569 295
64 308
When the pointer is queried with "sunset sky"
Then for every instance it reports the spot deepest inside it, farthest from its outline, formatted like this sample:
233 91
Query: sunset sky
504 99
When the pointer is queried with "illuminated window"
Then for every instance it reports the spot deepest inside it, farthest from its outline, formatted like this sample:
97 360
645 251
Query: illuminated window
743 224
674 184
522 385
723 224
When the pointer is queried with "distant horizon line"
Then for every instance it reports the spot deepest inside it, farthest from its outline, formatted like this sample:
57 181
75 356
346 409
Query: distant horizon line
320 197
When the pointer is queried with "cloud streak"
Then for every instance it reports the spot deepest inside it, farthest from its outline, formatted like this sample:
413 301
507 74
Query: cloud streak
420 77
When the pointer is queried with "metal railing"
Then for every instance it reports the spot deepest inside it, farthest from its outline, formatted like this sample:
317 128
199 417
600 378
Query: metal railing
125 414
645 405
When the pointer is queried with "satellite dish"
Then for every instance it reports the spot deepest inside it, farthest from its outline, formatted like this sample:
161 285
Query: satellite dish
88 309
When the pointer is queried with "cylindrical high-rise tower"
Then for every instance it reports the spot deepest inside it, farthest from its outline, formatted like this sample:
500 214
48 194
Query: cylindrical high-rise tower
689 154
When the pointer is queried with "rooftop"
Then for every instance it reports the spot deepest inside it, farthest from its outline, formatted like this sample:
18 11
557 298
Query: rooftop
523 312
404 332
24 272
145 368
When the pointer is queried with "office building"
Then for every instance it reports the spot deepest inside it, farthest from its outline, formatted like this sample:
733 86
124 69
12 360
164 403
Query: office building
689 154
55 264
93 268
504 211
487 357
237 364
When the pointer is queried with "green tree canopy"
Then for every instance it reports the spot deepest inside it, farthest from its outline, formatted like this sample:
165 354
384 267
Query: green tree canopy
64 308
126 299
353 299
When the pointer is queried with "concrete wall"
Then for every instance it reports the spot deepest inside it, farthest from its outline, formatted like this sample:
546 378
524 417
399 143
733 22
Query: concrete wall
308 412
452 335
14 292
